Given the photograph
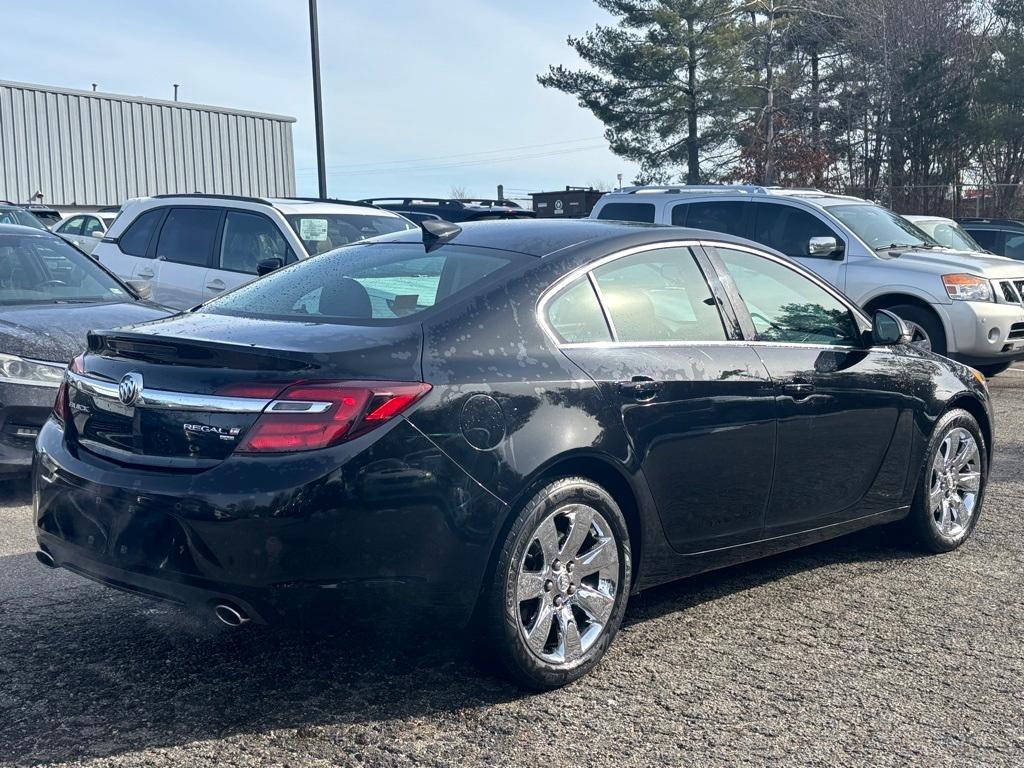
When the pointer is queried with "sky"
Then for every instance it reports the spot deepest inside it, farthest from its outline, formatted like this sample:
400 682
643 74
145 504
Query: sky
420 97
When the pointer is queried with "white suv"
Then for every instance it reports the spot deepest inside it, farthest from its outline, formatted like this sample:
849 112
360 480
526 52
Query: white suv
193 247
968 306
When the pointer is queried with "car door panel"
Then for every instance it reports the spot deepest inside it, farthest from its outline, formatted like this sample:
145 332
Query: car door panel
184 253
696 404
841 407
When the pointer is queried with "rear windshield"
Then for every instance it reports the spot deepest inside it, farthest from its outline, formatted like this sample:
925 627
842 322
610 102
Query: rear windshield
375 282
41 269
19 216
322 232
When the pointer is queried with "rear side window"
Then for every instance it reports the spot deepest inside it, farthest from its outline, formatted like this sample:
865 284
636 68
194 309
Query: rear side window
72 226
576 316
366 282
659 295
719 216
135 240
1014 247
92 224
628 212
188 235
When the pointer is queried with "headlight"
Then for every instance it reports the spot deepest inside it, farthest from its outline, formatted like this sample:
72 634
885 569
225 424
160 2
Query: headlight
967 288
18 370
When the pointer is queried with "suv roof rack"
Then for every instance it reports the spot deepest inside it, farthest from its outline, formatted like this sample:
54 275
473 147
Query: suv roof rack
332 200
750 189
440 201
984 220
241 198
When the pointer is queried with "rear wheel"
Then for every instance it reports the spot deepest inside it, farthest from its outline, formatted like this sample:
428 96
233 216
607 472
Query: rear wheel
560 585
992 370
925 327
952 484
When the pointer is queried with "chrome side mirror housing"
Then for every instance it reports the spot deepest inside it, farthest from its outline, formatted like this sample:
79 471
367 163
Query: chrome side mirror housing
824 247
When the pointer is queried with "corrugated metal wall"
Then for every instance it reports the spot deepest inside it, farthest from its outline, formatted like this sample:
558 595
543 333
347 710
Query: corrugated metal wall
86 148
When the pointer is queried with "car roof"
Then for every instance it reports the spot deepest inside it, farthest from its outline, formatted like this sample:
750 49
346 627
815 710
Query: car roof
743 191
287 205
19 229
544 237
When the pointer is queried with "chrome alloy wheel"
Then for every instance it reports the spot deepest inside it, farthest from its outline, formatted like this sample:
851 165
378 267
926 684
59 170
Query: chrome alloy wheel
567 583
919 336
955 483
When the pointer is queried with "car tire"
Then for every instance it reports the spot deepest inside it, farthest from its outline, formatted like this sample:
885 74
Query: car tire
992 370
951 486
924 325
560 585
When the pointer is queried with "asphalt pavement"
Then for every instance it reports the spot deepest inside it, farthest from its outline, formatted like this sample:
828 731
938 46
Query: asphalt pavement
853 652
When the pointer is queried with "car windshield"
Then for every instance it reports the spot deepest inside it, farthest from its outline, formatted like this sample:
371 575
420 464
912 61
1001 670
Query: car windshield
373 281
45 269
20 216
950 234
881 229
322 232
48 218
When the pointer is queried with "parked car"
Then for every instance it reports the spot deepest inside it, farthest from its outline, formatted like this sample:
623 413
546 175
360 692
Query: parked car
10 213
569 411
50 296
947 233
963 305
85 229
192 248
47 215
1004 237
419 209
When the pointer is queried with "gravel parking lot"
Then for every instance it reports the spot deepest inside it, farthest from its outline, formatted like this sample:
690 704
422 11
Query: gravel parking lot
852 652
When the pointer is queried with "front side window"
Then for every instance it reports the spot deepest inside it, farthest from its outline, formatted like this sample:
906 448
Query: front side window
91 224
881 229
41 269
576 316
188 235
247 240
989 239
385 281
788 229
643 212
786 306
659 295
135 240
1014 247
72 226
322 232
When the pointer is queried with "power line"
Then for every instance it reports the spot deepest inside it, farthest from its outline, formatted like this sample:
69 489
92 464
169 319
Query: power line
466 163
383 163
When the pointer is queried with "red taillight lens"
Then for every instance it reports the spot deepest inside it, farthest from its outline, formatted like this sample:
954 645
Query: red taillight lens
309 416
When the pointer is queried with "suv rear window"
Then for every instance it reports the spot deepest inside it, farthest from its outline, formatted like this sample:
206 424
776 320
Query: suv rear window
382 281
628 212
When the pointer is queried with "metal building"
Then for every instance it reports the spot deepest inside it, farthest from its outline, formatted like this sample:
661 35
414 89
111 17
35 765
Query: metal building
84 148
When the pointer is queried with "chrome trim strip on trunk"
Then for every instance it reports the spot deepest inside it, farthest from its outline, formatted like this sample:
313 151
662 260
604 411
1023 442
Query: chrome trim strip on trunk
159 399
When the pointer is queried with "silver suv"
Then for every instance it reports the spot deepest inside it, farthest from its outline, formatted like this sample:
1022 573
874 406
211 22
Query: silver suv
967 306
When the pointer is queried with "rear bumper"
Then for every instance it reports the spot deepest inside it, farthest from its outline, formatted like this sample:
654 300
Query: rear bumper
276 534
23 411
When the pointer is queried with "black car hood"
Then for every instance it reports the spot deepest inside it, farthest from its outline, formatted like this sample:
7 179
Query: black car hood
56 332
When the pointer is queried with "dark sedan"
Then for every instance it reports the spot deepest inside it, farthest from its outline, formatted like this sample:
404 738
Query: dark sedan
518 424
51 295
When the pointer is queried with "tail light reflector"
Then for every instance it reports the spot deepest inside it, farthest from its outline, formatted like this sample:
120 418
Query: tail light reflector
305 417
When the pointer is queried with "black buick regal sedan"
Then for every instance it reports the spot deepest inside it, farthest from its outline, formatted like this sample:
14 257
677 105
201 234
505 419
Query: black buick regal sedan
516 424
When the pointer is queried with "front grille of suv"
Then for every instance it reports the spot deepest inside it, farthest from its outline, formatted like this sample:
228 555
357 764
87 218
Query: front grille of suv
1012 291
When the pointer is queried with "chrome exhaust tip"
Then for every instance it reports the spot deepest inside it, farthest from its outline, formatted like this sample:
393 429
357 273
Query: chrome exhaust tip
229 615
45 558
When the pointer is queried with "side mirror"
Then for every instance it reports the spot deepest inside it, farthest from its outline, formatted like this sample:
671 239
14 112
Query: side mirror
888 330
97 234
824 247
144 288
266 266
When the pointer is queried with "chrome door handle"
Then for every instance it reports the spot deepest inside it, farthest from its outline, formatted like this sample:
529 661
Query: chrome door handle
798 389
215 285
640 388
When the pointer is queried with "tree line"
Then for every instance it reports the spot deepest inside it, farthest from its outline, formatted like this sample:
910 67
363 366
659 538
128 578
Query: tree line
919 103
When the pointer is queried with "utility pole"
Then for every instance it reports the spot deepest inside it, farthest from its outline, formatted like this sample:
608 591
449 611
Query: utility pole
318 107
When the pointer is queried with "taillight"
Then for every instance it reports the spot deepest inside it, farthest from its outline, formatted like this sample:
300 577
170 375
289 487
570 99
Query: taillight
62 404
305 417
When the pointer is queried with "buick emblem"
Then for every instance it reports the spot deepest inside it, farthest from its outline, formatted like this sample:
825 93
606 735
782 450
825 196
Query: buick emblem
130 388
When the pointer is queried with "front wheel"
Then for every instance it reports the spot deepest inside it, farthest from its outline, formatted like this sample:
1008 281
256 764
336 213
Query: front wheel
952 484
926 329
560 584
